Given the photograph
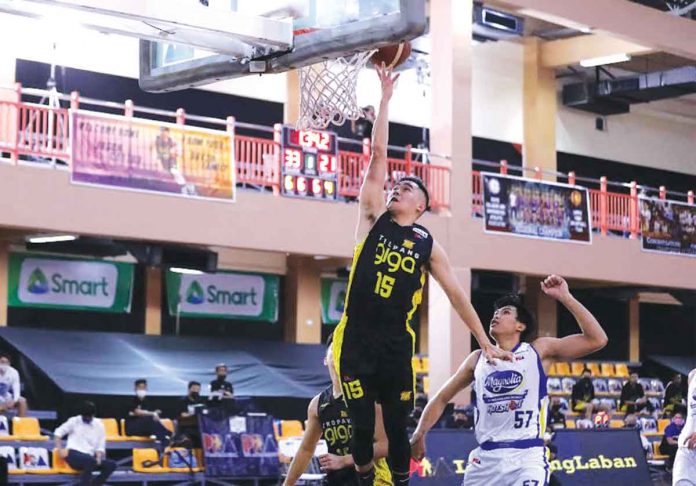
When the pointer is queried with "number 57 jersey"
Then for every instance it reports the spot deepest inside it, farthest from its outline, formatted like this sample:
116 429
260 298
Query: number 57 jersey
511 400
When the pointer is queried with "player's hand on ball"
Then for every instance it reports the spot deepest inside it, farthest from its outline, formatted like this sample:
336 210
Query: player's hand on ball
491 353
555 287
331 462
418 447
387 81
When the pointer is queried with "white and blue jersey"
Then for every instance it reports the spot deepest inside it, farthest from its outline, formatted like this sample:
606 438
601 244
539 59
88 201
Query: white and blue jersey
510 421
684 471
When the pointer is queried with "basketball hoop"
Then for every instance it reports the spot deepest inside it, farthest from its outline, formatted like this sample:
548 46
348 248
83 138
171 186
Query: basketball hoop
328 91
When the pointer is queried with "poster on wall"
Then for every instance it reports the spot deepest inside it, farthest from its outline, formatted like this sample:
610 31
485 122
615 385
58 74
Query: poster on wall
66 283
668 226
536 209
224 295
145 155
333 297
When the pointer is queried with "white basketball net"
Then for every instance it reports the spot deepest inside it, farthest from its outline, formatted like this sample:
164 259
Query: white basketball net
327 92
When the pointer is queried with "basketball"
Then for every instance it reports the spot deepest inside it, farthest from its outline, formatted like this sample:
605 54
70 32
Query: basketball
392 56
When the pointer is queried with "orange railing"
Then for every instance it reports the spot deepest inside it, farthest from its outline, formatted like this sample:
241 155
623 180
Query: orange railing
33 130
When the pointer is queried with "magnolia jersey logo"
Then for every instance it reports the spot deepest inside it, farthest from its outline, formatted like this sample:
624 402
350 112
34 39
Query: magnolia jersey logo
501 382
67 282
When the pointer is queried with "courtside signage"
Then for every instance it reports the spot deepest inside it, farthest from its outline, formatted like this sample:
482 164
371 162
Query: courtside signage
37 281
225 295
333 297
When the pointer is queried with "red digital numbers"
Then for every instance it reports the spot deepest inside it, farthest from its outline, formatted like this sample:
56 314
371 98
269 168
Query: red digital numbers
292 159
310 139
327 163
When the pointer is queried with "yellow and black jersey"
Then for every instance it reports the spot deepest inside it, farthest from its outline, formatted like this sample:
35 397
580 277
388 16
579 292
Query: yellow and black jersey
387 277
337 431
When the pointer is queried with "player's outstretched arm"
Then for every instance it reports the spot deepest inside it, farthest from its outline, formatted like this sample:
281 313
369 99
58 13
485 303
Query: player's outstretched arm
433 410
441 270
591 339
309 442
372 203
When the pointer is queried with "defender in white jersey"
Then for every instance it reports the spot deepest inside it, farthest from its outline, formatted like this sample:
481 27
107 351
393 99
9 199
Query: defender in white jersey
511 396
684 472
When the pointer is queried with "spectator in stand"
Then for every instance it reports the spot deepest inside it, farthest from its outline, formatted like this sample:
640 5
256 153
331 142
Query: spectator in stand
557 419
583 395
674 395
143 421
192 400
633 396
220 387
86 447
669 444
10 388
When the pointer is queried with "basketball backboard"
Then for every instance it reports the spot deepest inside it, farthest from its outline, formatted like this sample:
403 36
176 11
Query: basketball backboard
322 29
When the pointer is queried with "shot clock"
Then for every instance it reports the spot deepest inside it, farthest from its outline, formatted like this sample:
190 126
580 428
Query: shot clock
309 161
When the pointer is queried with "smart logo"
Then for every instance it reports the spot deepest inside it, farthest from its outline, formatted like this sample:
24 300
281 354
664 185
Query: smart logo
194 294
502 382
38 283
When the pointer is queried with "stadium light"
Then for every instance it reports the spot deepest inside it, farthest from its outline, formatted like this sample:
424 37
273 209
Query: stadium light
51 239
602 60
185 271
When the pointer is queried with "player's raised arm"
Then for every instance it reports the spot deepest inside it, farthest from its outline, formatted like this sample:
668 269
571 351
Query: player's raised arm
309 442
372 203
441 270
436 406
592 337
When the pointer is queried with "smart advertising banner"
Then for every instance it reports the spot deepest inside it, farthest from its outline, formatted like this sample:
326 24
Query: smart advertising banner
68 283
238 447
224 295
138 154
668 226
333 297
536 209
592 457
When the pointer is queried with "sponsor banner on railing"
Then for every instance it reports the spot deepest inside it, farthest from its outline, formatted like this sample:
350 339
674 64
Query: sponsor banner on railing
138 154
668 226
66 283
333 297
536 209
585 457
224 295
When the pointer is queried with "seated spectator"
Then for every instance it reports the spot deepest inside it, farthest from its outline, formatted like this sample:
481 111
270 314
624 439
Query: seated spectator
583 395
141 420
557 418
633 396
631 422
86 447
192 400
10 388
670 444
674 395
221 388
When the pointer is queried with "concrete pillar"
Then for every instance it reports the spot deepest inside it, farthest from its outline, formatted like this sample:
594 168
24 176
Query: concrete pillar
450 29
302 300
291 109
544 308
539 111
4 280
634 329
153 301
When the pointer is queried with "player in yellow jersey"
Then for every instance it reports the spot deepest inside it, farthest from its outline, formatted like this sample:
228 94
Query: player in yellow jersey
374 343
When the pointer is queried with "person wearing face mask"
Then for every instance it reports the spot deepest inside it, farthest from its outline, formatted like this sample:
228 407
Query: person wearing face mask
86 447
141 420
220 387
192 400
10 388
670 444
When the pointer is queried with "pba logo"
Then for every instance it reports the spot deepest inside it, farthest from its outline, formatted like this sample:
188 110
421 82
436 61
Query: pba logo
503 381
37 283
194 294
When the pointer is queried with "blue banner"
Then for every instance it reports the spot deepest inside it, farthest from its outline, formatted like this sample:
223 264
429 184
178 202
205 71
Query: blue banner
238 447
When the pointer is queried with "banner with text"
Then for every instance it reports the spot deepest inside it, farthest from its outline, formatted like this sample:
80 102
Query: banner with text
333 297
536 209
138 154
668 226
224 295
67 283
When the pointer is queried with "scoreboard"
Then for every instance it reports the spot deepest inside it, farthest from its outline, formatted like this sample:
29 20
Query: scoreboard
309 160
